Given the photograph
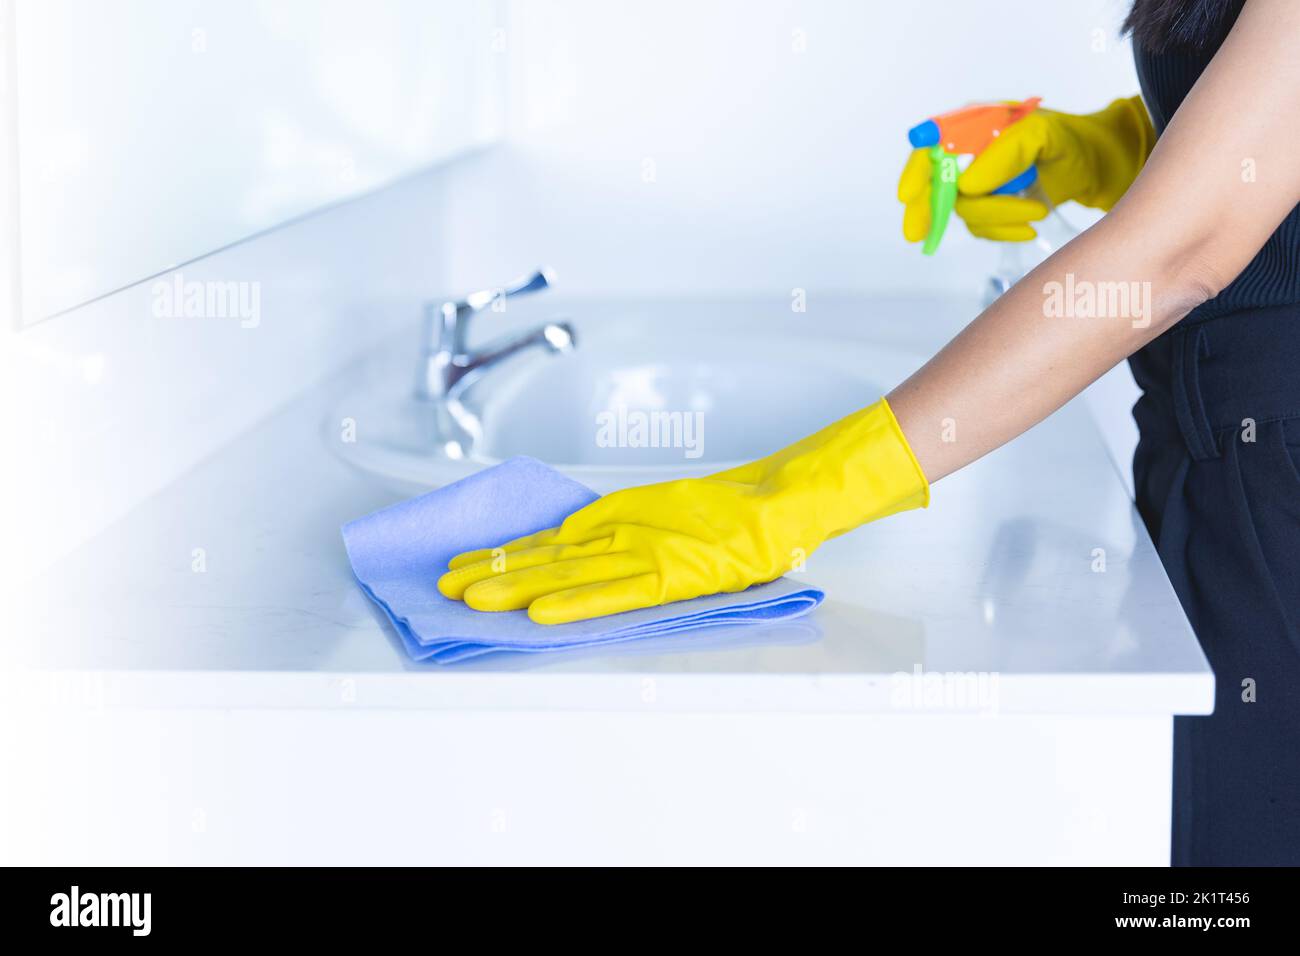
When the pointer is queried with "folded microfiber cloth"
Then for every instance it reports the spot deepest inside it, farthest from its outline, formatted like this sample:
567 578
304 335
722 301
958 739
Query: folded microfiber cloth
399 553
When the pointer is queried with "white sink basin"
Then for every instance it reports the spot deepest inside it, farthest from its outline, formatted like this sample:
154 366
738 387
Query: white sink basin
623 409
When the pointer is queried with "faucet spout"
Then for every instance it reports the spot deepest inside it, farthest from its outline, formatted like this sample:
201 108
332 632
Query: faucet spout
553 338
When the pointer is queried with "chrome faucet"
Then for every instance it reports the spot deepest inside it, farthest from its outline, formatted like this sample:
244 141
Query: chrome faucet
447 365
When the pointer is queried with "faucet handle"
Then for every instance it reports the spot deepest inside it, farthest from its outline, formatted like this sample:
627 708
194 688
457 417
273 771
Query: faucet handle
542 278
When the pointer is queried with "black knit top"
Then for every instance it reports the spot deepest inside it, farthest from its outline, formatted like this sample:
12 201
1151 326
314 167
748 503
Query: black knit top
1273 276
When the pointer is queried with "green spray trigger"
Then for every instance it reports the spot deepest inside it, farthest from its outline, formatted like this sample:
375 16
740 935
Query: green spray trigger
964 132
943 196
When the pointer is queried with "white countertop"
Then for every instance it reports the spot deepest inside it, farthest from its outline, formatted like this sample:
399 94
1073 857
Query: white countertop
996 579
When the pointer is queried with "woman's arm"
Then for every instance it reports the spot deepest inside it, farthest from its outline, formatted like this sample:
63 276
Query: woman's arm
1225 173
1188 224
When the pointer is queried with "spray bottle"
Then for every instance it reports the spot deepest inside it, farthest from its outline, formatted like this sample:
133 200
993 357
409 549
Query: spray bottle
968 132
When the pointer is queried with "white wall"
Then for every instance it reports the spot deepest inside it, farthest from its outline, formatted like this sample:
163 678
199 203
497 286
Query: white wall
151 132
113 401
288 105
750 147
771 168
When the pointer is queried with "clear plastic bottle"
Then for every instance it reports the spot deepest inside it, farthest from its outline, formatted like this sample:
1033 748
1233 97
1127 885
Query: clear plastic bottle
1018 259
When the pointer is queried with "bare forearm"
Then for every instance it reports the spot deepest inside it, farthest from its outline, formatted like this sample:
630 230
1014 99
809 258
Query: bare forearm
1086 308
1218 182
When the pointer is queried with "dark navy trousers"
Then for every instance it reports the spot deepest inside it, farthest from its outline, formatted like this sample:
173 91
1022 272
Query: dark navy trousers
1217 473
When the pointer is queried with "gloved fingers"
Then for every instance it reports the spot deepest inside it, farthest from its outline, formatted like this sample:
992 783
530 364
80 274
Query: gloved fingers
914 194
456 581
1018 148
914 184
518 589
597 600
518 544
1018 233
916 220
999 210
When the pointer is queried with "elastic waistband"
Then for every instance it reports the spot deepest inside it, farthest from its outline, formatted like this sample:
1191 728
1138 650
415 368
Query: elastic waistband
1233 369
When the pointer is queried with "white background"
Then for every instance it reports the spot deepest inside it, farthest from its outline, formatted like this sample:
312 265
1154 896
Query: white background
669 148
151 132
773 168
774 130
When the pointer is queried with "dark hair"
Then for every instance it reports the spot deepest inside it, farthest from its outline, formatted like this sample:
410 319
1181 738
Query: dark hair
1164 26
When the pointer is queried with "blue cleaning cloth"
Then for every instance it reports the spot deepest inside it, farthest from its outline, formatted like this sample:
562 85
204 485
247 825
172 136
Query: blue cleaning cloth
399 553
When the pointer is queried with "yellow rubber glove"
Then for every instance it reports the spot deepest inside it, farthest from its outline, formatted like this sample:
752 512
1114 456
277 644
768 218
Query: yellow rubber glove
1091 159
646 546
